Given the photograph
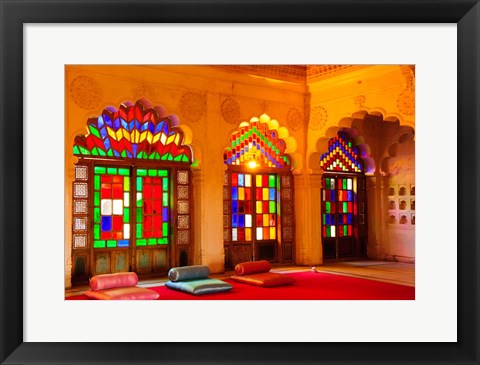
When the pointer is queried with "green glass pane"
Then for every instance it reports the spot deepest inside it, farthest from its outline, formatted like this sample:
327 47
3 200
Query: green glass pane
126 183
165 184
162 173
98 244
126 215
139 215
96 231
152 172
165 229
94 131
152 241
96 198
142 172
112 170
272 207
96 215
123 171
123 154
110 152
170 157
139 184
185 159
96 182
344 184
328 231
163 241
165 199
139 200
345 207
142 242
327 207
345 230
327 184
139 231
271 181
75 150
323 219
111 243
94 151
101 152
84 151
157 156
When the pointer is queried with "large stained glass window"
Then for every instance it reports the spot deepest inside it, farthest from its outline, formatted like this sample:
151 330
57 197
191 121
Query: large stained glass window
266 206
152 207
339 197
111 212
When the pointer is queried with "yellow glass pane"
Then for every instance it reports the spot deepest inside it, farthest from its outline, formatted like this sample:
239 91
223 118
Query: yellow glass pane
273 233
241 193
266 233
266 220
248 180
265 194
248 234
259 207
259 181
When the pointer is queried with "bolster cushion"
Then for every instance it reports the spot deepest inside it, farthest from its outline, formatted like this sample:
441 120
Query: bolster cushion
188 273
117 280
267 279
127 293
200 286
255 267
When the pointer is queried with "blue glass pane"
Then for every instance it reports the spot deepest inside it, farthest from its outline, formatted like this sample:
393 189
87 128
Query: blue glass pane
234 220
350 218
332 195
272 194
123 243
234 193
165 214
241 180
235 207
349 196
327 218
340 219
332 218
106 224
241 221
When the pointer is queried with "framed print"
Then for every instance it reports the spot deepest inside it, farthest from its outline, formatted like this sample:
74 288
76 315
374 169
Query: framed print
53 40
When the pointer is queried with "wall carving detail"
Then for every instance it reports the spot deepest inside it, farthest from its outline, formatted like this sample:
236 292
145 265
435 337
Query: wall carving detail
406 102
86 92
230 110
193 106
294 119
144 90
318 118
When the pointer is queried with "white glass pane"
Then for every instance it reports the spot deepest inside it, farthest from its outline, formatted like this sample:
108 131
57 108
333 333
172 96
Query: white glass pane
349 184
332 230
248 180
126 231
126 199
234 234
248 220
259 233
106 206
118 207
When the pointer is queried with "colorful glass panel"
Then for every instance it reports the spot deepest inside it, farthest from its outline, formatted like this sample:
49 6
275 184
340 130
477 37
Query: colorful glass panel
111 227
152 208
342 155
133 131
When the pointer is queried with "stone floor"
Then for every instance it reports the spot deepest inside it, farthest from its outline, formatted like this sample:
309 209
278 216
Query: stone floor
385 271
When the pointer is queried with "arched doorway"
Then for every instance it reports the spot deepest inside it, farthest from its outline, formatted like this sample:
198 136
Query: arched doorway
258 197
343 211
132 195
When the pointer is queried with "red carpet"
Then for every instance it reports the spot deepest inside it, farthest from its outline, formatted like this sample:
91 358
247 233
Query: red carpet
308 286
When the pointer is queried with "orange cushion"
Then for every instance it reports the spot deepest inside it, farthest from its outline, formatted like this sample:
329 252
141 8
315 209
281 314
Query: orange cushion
245 268
117 280
128 293
267 279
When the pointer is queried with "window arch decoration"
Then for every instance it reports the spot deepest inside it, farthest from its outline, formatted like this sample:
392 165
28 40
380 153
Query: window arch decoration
342 155
133 132
256 145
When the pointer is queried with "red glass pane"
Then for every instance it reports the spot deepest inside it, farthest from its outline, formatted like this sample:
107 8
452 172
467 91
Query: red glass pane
157 180
147 191
350 207
332 208
339 183
157 225
117 223
349 230
248 193
265 207
266 233
117 191
234 179
259 194
106 179
248 207
106 235
147 234
106 192
147 223
324 231
157 206
147 207
241 234
272 220
340 231
117 179
157 191
265 180
147 180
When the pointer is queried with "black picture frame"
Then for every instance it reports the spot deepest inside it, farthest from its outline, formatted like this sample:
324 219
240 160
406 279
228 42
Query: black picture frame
14 14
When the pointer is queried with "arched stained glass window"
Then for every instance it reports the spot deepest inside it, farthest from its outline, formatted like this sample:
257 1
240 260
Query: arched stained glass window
132 183
343 155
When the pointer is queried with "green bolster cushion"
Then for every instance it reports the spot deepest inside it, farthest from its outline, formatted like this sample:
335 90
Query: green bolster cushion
201 286
188 273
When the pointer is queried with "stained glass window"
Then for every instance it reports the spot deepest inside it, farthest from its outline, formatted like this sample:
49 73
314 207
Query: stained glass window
132 132
152 207
342 155
255 143
111 207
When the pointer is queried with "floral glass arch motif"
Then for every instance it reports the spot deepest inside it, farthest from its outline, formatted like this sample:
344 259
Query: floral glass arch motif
256 145
343 155
132 132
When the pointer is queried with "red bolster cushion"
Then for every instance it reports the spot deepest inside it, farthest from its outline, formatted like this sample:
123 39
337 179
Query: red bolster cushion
255 267
129 293
266 279
117 280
